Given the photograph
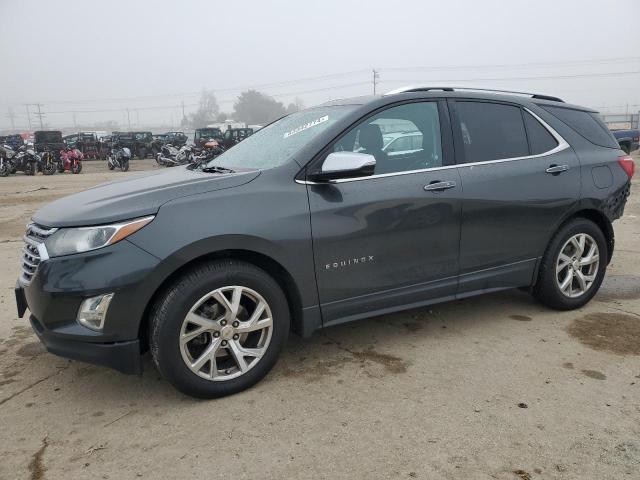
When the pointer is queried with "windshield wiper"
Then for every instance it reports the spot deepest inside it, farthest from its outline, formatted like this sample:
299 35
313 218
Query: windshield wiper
217 169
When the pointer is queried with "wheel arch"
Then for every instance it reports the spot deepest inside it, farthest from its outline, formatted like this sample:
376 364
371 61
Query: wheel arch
600 219
274 268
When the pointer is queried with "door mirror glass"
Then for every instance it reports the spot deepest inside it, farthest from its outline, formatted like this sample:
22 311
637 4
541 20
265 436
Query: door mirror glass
345 165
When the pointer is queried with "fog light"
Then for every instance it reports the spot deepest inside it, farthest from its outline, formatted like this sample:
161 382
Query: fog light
93 310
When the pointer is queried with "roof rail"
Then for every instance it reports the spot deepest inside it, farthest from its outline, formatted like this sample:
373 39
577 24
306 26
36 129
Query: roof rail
426 88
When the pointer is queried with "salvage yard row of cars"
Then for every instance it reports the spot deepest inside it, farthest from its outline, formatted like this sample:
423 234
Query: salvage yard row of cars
50 152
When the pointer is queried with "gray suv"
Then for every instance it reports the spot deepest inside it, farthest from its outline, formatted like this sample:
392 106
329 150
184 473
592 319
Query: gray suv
310 223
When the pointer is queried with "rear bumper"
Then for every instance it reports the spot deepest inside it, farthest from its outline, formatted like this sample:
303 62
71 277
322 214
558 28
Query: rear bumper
122 356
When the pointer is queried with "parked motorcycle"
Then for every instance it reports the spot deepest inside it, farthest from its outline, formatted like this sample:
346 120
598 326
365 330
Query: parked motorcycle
6 160
119 158
171 156
70 161
26 160
47 163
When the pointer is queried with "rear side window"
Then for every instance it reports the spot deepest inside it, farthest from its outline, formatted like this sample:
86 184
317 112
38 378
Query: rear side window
491 131
587 124
540 139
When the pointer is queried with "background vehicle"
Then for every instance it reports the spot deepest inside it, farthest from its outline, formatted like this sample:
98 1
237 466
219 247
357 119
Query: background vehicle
234 136
119 158
70 160
628 139
171 156
6 160
177 139
143 144
310 223
203 135
49 140
14 141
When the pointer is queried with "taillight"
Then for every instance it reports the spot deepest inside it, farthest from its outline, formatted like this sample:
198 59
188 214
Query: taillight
627 165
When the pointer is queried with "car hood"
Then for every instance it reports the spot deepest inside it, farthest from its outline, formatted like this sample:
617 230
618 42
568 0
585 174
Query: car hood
135 197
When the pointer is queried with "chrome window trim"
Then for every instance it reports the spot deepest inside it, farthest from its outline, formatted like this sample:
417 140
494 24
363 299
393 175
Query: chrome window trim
562 145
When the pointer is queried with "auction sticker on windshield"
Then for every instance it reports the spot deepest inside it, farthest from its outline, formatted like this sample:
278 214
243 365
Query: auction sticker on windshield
306 126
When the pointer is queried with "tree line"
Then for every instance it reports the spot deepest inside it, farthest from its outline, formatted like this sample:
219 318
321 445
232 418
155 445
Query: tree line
252 107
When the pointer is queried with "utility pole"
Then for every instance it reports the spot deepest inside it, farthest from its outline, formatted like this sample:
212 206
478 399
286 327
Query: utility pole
75 124
183 109
376 76
128 119
11 116
39 115
28 115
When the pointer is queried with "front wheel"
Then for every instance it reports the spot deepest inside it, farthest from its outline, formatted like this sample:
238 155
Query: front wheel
124 166
219 328
573 266
4 169
77 168
30 169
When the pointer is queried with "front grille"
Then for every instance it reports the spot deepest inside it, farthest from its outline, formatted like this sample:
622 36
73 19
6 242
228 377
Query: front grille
33 251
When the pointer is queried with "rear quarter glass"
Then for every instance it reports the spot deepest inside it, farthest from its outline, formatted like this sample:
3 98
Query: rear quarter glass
586 124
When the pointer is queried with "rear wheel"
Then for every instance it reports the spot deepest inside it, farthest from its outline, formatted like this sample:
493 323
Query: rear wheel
219 328
573 266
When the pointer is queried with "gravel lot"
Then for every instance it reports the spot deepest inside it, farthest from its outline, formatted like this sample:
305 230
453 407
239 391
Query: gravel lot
493 387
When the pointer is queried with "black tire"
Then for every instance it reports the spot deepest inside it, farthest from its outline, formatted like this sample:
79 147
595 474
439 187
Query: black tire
49 168
125 165
109 164
4 170
169 311
546 290
30 169
77 168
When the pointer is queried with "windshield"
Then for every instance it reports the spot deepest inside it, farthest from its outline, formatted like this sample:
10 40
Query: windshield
276 143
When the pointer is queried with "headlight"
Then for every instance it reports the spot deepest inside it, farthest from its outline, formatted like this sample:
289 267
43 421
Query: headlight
82 239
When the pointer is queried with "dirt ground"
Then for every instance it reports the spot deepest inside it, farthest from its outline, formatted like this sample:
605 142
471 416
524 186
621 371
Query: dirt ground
493 387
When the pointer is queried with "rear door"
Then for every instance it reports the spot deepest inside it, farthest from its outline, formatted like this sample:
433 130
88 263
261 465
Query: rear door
392 238
519 177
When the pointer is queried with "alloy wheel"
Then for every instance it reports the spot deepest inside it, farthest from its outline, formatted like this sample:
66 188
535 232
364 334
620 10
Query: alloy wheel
226 333
577 265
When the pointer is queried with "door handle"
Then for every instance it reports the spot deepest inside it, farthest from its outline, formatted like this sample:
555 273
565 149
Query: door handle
437 186
557 169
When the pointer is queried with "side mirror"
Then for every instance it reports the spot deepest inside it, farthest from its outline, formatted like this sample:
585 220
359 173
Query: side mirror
339 165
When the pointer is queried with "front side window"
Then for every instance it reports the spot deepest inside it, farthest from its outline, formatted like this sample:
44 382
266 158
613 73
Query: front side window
402 138
491 131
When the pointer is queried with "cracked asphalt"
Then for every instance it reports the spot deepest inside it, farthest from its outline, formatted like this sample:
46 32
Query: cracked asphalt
492 387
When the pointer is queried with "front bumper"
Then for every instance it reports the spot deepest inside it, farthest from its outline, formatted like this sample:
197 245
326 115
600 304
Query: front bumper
122 356
60 285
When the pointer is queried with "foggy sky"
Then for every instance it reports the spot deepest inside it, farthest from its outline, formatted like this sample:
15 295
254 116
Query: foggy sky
150 56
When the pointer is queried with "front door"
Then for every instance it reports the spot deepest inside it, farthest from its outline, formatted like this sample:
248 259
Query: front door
390 239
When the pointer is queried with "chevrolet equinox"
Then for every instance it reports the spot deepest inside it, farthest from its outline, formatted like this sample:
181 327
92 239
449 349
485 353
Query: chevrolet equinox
311 222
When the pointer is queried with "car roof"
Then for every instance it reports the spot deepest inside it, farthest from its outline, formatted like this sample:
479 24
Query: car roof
521 98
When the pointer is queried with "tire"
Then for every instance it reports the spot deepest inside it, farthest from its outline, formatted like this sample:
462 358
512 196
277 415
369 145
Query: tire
4 170
168 322
110 165
125 166
76 168
29 169
60 167
49 168
548 285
